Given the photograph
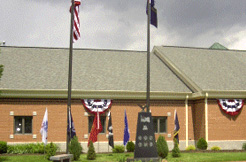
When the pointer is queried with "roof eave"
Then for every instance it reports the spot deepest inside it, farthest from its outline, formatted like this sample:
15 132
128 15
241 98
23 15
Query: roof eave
78 94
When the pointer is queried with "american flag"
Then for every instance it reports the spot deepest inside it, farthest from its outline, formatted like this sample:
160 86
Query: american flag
76 25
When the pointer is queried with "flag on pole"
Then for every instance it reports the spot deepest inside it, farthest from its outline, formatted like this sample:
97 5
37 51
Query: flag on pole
70 127
153 12
110 131
126 131
76 24
176 126
44 128
95 129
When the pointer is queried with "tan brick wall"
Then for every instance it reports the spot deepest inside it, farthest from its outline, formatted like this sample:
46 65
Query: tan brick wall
198 118
57 110
222 126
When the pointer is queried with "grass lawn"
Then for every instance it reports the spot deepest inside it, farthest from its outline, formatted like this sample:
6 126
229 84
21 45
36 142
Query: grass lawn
113 157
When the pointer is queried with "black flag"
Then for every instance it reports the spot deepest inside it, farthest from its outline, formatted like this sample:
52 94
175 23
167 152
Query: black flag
110 131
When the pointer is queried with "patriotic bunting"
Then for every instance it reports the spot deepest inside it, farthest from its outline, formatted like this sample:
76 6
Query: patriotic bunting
96 107
231 106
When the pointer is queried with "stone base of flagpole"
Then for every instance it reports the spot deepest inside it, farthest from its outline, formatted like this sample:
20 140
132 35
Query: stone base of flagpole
154 159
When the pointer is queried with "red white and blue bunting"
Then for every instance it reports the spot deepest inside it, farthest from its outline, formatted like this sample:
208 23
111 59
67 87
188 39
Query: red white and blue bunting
97 106
231 106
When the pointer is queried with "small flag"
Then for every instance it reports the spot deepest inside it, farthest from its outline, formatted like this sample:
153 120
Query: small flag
44 128
76 25
95 129
110 131
126 131
176 126
70 126
153 13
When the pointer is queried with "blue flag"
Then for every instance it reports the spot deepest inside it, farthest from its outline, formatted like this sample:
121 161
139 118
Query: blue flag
153 13
126 131
177 127
70 126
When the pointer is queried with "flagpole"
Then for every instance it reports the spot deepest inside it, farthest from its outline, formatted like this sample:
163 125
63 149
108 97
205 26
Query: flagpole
148 59
70 73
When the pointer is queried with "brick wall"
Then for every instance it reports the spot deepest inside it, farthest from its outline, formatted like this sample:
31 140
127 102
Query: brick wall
220 125
57 110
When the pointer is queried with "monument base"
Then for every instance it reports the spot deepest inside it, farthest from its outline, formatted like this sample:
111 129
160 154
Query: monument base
154 159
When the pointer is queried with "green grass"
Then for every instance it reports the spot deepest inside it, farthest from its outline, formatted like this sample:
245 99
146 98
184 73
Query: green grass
113 157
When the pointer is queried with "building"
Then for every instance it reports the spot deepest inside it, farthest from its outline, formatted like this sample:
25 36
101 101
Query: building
190 80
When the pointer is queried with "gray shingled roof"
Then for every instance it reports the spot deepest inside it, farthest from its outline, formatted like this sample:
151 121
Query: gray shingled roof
175 73
219 70
107 70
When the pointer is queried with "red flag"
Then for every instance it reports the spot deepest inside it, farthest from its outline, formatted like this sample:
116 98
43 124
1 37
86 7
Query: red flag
76 25
95 129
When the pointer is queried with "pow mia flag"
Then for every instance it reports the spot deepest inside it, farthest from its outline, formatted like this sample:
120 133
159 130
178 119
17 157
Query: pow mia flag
110 131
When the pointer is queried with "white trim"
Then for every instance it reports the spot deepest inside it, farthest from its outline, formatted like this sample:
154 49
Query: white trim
206 117
186 121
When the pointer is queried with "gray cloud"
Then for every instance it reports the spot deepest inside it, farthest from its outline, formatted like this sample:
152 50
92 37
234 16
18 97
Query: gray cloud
121 24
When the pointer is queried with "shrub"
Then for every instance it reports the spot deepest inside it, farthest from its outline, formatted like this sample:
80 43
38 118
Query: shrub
50 150
175 150
162 147
3 147
26 148
215 148
190 148
244 146
202 144
91 154
130 147
118 149
75 148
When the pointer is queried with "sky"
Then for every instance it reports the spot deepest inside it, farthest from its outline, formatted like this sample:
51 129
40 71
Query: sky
122 24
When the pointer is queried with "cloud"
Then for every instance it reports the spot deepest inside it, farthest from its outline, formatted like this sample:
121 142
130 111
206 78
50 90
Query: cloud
121 24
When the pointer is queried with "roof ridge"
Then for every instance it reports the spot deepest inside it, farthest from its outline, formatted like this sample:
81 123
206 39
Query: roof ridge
92 49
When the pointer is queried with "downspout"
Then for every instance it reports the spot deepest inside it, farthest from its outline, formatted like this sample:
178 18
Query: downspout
186 120
206 117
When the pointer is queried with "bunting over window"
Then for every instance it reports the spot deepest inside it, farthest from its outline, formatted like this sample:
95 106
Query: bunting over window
97 106
231 106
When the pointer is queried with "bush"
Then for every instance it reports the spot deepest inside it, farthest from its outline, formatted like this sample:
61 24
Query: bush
50 150
202 144
162 147
91 154
175 150
244 146
190 148
3 147
75 148
26 148
118 149
130 147
215 148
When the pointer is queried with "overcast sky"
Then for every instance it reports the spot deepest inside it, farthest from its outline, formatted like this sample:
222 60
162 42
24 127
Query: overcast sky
122 24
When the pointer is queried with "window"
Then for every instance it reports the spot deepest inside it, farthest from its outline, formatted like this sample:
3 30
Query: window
23 124
103 122
160 124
